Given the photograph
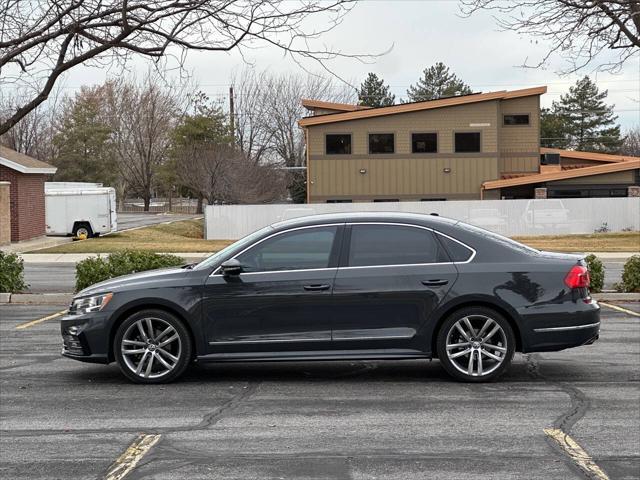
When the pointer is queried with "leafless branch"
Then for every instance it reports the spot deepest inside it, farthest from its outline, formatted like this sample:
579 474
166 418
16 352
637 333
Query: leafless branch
578 30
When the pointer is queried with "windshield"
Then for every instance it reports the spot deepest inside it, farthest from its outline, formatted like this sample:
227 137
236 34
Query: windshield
231 249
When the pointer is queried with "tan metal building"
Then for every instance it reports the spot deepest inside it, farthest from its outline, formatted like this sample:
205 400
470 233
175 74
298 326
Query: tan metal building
447 149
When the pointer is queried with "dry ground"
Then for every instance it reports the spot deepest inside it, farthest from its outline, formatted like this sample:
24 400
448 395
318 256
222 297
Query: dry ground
187 236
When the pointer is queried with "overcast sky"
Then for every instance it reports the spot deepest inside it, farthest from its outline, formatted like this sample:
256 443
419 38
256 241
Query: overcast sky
420 32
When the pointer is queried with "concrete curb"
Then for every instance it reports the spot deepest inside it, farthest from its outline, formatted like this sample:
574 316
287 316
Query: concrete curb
616 297
36 298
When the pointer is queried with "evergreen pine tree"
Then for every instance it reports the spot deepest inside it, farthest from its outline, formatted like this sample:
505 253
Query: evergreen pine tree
374 93
589 123
437 82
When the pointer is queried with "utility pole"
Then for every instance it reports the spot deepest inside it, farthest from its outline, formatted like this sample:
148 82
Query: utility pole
232 120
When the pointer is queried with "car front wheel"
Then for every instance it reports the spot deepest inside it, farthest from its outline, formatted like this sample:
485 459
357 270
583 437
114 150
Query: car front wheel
475 344
152 346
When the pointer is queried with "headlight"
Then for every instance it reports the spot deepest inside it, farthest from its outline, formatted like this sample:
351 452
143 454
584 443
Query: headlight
80 306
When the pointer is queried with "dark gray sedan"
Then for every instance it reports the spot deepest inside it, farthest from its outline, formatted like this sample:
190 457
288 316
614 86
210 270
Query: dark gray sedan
366 286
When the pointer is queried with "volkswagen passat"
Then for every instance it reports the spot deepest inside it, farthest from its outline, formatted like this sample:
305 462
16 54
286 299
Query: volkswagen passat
335 287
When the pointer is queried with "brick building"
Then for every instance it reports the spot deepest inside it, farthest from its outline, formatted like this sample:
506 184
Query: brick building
26 177
478 146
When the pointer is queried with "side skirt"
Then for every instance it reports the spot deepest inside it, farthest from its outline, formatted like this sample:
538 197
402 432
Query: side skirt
382 354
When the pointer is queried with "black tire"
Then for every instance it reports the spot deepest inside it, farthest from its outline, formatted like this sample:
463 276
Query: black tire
157 354
500 344
82 227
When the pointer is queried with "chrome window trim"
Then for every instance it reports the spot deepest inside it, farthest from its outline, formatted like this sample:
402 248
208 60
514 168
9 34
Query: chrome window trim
563 329
215 272
436 232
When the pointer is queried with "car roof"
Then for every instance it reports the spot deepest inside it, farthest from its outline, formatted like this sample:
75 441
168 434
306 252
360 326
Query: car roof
357 217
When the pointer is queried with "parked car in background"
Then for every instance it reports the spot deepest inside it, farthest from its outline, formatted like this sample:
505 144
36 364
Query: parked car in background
369 286
74 208
546 213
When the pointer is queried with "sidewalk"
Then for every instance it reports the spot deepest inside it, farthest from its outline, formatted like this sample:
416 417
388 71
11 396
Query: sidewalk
35 244
73 258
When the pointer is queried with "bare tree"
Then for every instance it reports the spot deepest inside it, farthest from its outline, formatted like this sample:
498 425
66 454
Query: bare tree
268 109
142 119
631 143
580 30
39 41
220 173
33 135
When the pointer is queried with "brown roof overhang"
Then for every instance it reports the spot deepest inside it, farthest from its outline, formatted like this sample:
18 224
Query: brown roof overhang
23 163
419 106
564 174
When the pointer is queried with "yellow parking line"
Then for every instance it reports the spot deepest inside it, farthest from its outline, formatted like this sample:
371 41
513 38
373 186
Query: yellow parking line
22 326
131 456
576 453
620 309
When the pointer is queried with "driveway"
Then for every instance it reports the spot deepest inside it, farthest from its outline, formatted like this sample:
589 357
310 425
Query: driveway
127 221
342 420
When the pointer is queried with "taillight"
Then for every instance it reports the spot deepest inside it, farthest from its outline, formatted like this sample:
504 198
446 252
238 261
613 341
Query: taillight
578 277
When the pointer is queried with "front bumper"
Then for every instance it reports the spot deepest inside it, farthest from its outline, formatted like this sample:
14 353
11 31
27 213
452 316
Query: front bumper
85 337
553 331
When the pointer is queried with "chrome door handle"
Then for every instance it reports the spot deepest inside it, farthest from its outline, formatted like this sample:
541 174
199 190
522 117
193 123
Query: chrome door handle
317 287
434 283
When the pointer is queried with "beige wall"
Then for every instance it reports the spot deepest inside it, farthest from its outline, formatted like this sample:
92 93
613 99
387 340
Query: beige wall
5 213
404 175
520 144
444 121
402 178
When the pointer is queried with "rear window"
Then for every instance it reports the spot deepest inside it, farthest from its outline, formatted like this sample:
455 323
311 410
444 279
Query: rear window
457 251
373 245
504 241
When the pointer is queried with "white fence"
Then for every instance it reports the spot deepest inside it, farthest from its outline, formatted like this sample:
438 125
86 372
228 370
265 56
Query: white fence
508 217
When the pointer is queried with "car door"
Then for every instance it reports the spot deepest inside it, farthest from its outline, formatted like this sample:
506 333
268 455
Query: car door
282 298
391 278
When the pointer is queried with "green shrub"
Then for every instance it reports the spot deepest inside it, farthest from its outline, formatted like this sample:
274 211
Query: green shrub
596 272
11 273
630 276
97 269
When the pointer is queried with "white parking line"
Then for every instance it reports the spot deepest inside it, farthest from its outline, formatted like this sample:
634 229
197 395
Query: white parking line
576 453
131 456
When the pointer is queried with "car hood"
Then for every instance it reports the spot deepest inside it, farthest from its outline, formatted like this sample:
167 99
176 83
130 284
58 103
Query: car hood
148 279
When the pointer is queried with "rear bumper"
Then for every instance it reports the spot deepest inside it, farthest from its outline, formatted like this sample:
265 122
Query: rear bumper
557 331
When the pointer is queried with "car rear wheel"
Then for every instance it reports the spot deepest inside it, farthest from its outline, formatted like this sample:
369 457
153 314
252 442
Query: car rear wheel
475 344
152 346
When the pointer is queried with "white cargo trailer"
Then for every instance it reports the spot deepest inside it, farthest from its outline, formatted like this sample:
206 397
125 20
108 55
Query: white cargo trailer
73 208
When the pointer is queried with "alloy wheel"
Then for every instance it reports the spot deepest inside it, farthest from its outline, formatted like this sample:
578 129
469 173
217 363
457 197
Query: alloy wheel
476 345
151 347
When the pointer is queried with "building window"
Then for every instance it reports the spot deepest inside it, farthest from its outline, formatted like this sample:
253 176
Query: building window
467 142
433 199
424 142
338 144
386 200
340 200
381 143
516 119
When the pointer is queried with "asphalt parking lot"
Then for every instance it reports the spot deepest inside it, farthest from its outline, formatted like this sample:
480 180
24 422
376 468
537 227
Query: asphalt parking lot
60 419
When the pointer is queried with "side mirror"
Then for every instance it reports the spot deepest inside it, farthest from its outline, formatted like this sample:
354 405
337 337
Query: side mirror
231 268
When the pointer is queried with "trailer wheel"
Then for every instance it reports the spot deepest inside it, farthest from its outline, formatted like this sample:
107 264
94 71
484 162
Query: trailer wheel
82 228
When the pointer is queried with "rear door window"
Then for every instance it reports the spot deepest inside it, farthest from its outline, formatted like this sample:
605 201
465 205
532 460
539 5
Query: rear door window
373 245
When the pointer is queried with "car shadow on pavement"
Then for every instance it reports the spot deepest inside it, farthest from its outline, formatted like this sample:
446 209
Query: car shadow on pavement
411 371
